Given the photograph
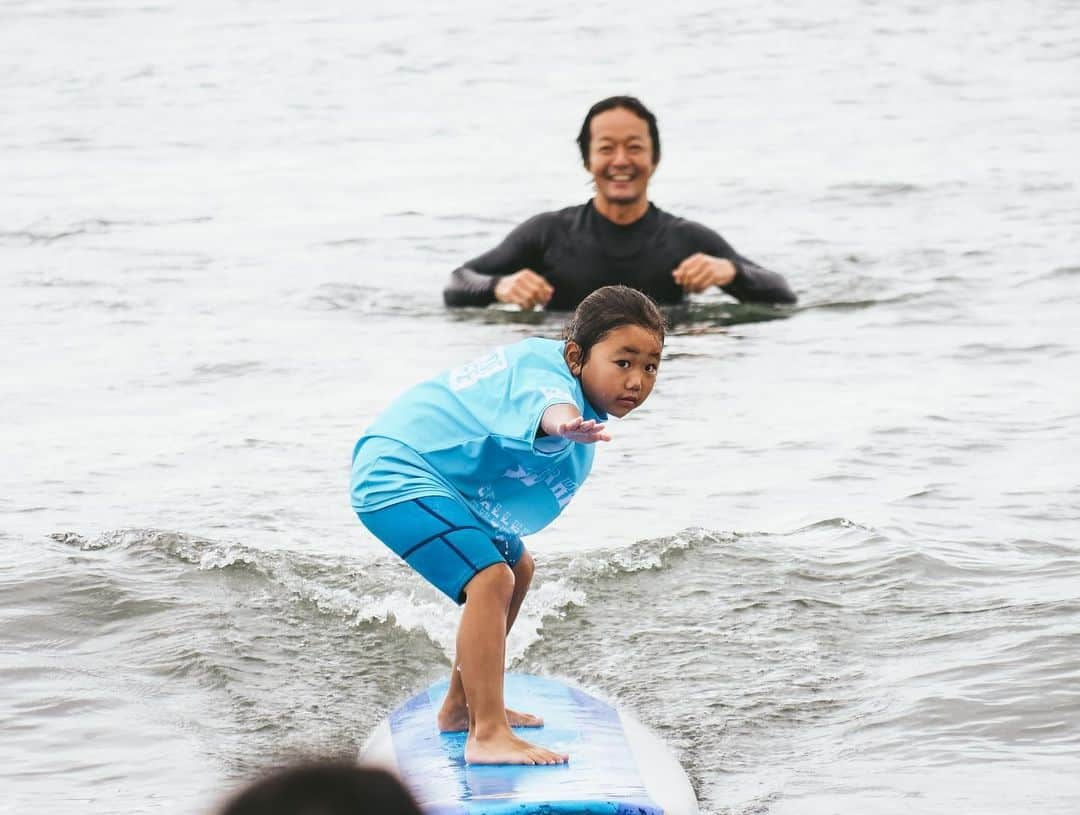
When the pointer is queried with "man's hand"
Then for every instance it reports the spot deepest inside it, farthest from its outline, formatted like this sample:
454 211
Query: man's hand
700 271
583 431
524 288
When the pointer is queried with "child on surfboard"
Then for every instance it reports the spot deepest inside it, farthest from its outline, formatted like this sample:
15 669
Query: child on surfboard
459 467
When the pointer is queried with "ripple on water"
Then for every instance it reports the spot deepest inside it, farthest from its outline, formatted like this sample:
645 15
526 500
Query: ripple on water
814 647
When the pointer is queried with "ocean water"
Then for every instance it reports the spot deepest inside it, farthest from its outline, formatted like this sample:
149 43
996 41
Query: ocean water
834 561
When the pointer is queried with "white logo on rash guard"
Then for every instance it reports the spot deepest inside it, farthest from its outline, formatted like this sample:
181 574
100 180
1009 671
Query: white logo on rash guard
472 372
557 393
490 507
561 488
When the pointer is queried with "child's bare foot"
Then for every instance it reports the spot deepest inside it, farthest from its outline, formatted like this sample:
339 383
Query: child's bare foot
456 720
515 719
506 748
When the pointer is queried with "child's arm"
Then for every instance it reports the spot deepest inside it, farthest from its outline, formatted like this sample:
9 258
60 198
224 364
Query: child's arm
564 421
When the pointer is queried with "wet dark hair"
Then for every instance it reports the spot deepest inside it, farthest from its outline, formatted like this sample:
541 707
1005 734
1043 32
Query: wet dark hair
329 787
608 308
630 103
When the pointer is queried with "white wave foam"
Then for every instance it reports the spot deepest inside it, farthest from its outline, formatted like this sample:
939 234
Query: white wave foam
549 599
643 555
436 618
421 610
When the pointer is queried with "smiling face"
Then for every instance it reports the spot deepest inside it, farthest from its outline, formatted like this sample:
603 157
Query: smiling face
620 157
620 370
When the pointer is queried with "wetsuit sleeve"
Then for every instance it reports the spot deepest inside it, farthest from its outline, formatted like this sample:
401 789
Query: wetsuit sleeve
752 283
474 283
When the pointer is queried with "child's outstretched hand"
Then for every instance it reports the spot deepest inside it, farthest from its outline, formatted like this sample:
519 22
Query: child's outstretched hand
583 431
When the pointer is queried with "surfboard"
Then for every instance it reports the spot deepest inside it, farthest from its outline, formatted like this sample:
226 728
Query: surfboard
617 766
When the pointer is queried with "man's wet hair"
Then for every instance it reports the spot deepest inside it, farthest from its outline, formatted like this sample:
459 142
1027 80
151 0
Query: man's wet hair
630 103
324 787
608 308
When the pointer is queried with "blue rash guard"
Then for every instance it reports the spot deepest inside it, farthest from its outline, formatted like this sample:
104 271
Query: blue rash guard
470 434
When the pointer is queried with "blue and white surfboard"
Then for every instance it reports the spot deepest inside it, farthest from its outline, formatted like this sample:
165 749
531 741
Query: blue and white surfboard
617 767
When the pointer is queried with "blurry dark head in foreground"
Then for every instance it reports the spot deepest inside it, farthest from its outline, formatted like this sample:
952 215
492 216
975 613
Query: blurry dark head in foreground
323 788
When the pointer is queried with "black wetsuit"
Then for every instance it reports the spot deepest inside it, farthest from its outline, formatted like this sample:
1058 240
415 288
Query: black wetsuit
577 250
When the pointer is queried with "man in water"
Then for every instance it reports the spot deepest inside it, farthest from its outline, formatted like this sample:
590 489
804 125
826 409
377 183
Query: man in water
556 259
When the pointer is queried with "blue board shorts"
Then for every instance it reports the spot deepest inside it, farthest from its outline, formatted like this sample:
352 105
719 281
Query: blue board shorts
442 540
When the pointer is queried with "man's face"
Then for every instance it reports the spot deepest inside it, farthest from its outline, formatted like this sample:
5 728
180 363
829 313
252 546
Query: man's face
620 156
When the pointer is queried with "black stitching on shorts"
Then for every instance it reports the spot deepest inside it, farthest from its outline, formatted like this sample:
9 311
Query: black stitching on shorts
449 530
460 554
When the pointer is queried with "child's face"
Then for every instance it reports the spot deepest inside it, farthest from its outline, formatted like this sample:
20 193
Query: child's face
621 369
